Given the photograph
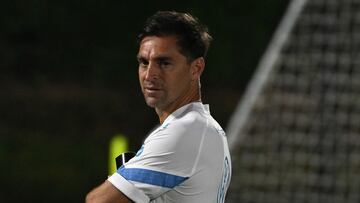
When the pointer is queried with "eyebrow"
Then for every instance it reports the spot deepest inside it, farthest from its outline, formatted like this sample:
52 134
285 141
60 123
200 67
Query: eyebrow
163 58
159 58
140 58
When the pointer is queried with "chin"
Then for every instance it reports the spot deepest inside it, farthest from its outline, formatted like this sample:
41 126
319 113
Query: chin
151 105
151 102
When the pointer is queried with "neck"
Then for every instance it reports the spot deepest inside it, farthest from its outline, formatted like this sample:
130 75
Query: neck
193 96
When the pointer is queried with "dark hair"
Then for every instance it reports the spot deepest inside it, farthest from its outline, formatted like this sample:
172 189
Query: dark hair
193 37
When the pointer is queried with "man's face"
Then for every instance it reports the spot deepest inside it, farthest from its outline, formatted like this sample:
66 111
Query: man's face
164 73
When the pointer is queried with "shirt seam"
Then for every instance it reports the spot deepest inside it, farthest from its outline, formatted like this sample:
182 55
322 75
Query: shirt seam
200 148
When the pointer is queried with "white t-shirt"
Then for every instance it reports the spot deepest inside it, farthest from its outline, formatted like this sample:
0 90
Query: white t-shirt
186 159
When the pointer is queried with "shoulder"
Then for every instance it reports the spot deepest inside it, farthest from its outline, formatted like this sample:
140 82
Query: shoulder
190 123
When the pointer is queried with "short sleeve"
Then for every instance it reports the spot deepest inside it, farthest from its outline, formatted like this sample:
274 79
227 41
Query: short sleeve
128 189
166 159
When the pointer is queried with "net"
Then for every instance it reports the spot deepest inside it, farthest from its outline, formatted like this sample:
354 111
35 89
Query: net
295 136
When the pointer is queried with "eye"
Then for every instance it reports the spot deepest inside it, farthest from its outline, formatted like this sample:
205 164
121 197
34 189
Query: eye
143 62
164 64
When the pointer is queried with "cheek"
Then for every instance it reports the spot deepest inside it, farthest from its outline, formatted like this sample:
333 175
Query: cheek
178 83
140 72
141 76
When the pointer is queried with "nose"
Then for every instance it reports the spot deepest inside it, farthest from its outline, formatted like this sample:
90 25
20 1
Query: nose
152 72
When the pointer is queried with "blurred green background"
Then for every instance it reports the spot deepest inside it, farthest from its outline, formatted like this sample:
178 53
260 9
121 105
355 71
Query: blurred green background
68 83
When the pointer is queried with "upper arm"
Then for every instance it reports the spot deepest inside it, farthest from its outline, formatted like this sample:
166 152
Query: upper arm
166 159
107 193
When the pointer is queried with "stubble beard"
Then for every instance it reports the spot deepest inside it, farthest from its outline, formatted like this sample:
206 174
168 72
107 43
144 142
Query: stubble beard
156 102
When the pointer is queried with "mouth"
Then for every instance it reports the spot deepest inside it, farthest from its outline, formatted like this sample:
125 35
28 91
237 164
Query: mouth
151 90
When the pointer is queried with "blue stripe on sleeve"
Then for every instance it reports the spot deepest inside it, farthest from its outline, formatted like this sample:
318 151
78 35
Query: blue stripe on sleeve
151 177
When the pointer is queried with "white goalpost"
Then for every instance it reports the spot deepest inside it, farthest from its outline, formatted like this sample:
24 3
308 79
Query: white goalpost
295 135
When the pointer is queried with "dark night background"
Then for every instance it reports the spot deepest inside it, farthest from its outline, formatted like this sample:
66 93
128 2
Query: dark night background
68 83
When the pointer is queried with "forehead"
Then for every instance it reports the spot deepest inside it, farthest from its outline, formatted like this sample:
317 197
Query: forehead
154 46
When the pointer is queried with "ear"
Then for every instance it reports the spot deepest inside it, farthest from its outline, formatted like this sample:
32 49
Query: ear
197 67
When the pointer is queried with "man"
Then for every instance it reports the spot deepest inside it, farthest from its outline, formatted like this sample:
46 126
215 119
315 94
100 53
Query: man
186 159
